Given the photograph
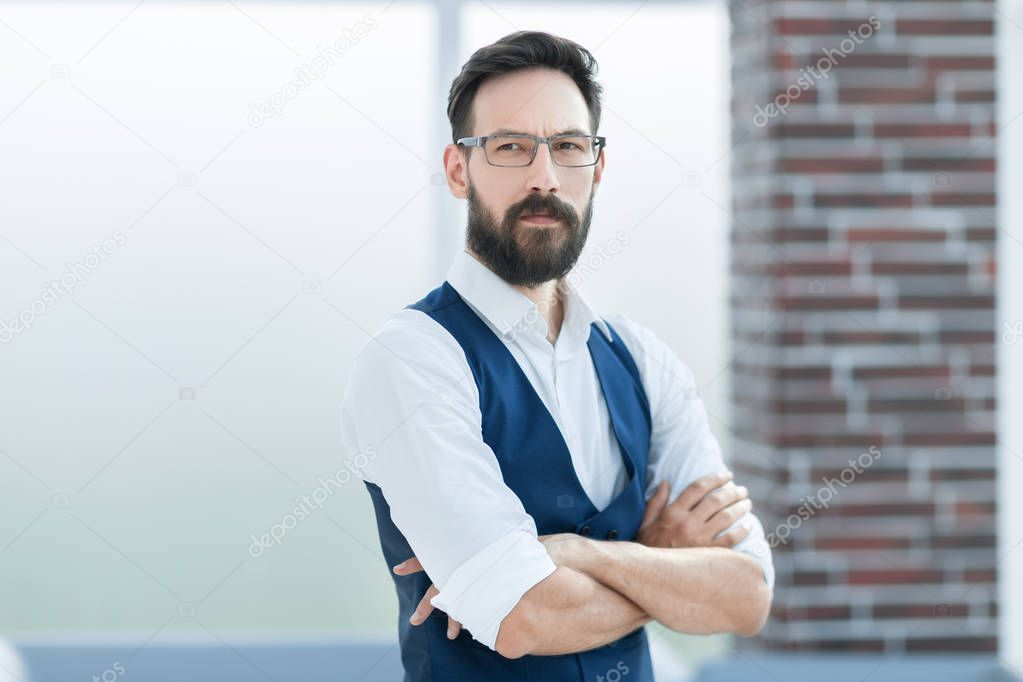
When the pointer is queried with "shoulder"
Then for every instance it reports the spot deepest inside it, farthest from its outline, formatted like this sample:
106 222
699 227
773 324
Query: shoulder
409 346
652 354
410 328
666 379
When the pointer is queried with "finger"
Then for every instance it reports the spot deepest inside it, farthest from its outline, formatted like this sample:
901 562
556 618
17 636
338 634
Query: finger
657 503
425 607
732 537
719 499
454 627
729 515
696 490
408 567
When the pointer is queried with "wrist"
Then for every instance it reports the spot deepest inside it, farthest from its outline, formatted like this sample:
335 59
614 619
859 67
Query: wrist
593 556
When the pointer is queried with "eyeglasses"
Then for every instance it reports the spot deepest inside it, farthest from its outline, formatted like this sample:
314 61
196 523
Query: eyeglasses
515 150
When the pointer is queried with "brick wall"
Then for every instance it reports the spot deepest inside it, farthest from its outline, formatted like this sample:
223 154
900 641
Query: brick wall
863 235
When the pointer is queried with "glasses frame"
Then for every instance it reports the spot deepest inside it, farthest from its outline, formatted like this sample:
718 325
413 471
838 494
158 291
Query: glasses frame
481 140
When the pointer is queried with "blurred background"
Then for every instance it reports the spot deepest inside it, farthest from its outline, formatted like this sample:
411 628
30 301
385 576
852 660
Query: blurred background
193 251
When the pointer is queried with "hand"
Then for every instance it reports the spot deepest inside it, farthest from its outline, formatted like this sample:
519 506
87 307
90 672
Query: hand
410 566
708 506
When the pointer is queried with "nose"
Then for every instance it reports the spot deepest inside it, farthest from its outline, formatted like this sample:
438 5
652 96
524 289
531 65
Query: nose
543 174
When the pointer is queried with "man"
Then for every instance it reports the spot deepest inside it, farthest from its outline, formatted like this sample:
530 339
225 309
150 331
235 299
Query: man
542 476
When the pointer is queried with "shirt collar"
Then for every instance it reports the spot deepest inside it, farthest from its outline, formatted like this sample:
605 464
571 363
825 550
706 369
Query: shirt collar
507 310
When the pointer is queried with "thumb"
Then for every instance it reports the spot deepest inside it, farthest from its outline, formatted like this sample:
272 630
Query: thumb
656 504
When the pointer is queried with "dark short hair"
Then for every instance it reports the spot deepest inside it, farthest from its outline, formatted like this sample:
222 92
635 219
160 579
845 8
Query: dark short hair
514 52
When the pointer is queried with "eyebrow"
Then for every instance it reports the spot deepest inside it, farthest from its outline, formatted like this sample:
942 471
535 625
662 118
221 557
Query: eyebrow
570 131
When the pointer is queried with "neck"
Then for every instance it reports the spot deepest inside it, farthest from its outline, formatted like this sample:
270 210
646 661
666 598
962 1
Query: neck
544 295
548 299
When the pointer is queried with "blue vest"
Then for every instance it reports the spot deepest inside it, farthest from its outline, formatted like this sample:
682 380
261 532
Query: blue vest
536 465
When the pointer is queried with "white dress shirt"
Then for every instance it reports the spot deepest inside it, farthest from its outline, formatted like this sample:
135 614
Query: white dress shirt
413 404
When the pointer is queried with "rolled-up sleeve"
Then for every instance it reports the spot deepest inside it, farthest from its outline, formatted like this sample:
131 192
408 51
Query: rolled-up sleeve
413 405
476 593
682 446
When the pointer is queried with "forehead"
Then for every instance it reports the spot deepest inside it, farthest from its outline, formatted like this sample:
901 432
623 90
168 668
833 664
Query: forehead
539 101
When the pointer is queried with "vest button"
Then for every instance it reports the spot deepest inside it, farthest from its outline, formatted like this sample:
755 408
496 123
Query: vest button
612 534
584 531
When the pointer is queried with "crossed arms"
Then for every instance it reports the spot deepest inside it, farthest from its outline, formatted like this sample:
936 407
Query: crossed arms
691 567
679 572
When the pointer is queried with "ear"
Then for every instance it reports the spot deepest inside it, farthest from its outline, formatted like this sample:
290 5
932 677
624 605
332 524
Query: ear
455 170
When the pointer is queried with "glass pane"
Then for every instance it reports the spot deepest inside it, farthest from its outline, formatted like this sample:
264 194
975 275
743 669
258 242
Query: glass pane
574 151
507 150
245 171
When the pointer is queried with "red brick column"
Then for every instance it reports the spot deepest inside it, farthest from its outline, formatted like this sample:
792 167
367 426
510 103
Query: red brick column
863 237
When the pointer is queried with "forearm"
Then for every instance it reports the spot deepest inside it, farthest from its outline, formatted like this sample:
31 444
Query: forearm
697 590
567 612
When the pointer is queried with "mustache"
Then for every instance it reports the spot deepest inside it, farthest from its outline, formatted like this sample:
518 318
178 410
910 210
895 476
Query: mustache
548 204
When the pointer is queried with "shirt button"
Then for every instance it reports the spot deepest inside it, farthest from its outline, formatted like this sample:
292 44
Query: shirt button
612 534
584 531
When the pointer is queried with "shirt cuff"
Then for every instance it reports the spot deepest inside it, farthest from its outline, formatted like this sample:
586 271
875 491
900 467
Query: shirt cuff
483 590
756 546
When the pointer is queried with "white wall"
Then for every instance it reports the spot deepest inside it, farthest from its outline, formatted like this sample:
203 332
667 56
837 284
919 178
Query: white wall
1009 359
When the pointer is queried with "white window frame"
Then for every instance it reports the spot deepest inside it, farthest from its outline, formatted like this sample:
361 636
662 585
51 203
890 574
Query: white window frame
1009 358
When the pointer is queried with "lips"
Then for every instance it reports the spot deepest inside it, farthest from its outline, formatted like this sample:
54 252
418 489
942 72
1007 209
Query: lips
540 218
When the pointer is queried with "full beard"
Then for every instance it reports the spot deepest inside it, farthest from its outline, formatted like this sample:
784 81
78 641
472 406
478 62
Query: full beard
525 255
